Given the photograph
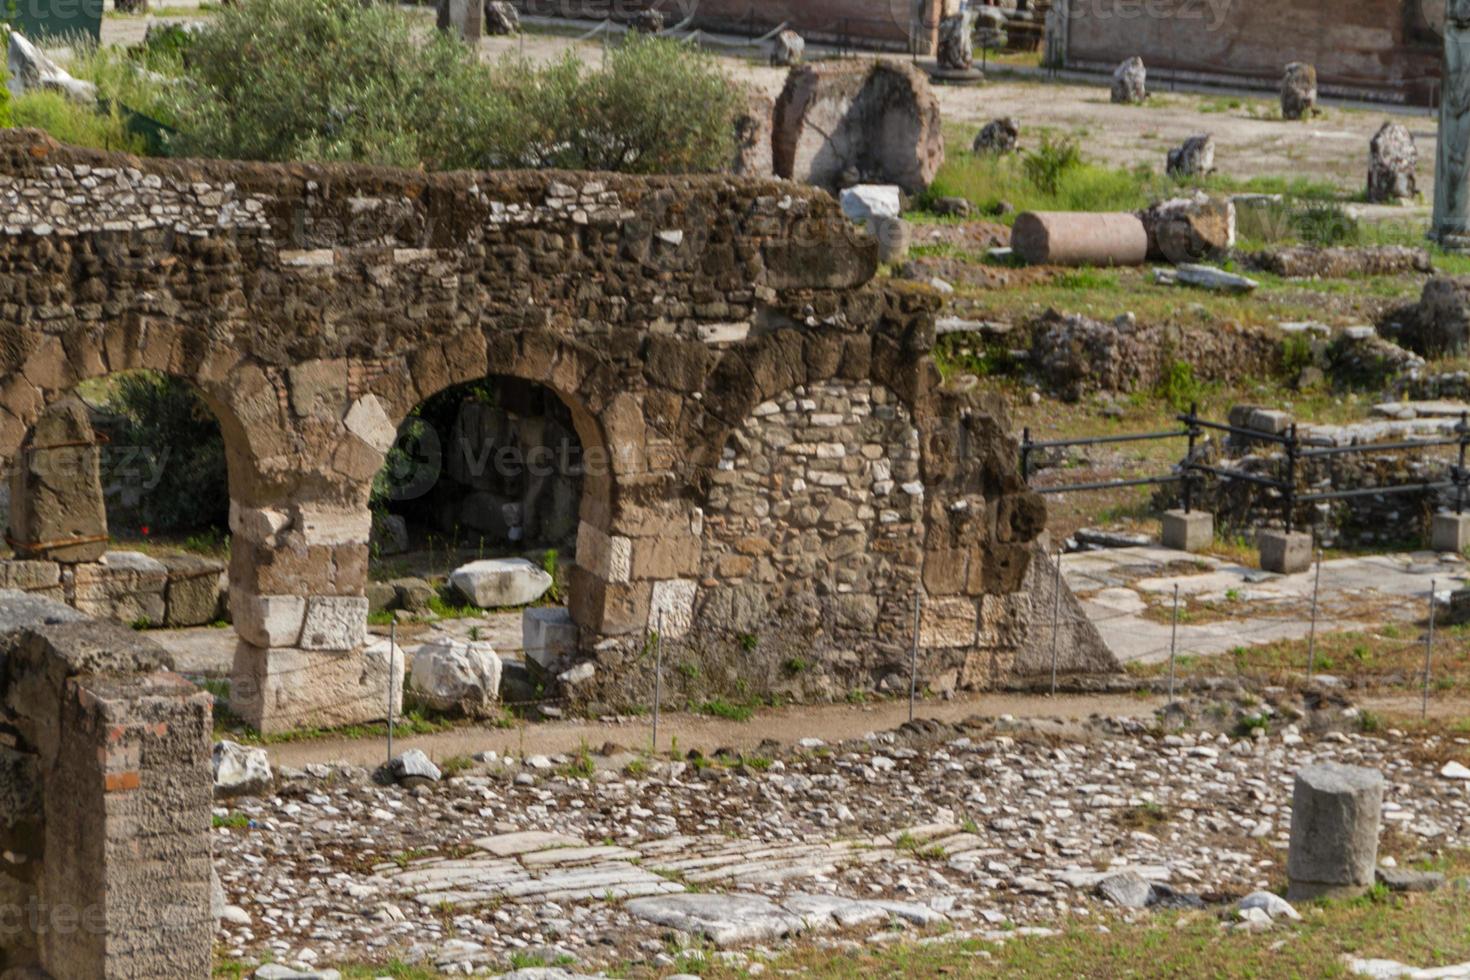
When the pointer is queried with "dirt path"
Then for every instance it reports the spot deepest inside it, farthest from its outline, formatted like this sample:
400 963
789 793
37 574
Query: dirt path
831 723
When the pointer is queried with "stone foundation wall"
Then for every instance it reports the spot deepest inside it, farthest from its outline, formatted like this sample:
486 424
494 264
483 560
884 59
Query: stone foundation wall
314 307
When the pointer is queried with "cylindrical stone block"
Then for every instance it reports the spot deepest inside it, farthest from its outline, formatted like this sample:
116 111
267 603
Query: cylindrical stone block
1079 238
1335 812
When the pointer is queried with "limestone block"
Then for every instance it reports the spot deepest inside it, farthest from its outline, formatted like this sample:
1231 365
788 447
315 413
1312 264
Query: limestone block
671 608
1335 811
276 690
267 620
949 621
451 675
1079 238
56 489
1285 553
41 578
240 770
493 583
1003 620
1450 532
548 636
334 623
193 590
258 524
609 557
125 586
1188 531
367 420
334 526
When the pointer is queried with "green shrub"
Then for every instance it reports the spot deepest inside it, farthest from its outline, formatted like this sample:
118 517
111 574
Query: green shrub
7 118
343 80
166 433
1050 162
70 122
1325 224
1178 387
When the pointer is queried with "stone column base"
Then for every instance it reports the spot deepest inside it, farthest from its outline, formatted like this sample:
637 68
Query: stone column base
280 688
1285 552
1449 532
1188 531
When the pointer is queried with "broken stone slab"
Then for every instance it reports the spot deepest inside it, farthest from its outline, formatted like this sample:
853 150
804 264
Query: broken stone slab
494 583
841 123
413 768
548 637
1335 811
526 842
1079 238
997 137
19 610
1205 277
1393 161
240 770
1195 157
31 70
1298 91
868 201
501 18
192 593
454 676
1189 229
276 971
726 920
1455 770
412 594
1130 82
787 49
1409 880
1127 890
125 586
1272 904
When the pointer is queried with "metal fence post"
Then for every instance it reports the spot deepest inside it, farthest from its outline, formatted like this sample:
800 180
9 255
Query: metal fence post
1056 612
1428 654
1463 431
1192 433
658 675
1289 490
1312 632
1026 455
914 654
392 676
1173 642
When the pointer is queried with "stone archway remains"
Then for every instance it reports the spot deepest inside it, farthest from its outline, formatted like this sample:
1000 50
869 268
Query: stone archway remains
314 306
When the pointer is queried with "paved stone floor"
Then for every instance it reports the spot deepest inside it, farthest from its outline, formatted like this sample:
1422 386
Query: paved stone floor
604 860
1128 594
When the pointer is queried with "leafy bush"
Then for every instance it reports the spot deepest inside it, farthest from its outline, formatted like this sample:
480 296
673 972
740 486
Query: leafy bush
1046 165
1178 387
164 420
343 80
1325 224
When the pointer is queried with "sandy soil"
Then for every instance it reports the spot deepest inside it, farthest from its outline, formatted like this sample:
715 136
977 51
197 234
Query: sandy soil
831 723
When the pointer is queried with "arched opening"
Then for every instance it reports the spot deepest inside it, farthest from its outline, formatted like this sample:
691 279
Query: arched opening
117 503
476 513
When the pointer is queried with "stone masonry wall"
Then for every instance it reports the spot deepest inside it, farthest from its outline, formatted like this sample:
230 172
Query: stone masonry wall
313 307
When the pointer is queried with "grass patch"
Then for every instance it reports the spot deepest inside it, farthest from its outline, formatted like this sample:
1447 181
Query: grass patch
234 821
729 710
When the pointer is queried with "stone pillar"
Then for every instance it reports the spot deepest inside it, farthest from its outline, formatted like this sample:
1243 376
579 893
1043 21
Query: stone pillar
1335 812
56 506
1285 552
298 577
1450 532
1079 238
463 18
121 749
1451 223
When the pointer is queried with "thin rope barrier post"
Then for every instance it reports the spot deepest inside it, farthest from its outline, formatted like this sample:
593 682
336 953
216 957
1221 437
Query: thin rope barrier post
392 675
914 655
1173 642
1428 654
1056 612
1312 630
658 675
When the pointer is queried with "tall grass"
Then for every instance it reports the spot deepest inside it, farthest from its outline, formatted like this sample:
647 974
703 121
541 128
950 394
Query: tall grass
75 124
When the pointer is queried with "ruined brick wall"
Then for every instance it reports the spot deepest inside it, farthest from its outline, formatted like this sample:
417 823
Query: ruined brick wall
314 307
105 799
1386 49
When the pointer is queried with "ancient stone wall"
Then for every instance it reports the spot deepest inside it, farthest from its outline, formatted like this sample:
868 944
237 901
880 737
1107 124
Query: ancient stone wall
315 306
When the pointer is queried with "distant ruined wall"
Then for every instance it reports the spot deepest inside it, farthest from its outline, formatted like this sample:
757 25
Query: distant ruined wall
1387 49
314 307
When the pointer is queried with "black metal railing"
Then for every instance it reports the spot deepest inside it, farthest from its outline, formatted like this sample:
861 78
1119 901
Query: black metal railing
1294 453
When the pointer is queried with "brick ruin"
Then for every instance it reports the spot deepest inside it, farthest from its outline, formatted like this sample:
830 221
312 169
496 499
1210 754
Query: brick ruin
784 471
105 795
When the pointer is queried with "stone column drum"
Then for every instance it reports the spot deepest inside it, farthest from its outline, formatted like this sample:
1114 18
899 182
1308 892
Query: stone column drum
1335 812
1451 224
